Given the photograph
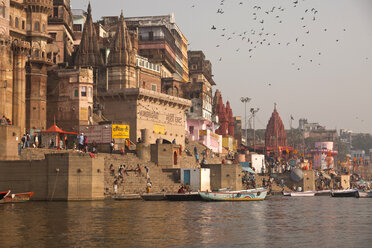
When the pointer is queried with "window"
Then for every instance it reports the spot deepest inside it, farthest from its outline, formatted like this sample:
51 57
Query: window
10 21
144 84
76 93
90 91
151 35
194 67
37 26
55 12
78 27
192 109
2 10
23 25
36 53
53 35
83 91
43 28
16 22
153 87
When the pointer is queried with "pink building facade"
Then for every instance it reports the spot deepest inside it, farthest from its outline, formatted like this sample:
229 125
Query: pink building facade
203 131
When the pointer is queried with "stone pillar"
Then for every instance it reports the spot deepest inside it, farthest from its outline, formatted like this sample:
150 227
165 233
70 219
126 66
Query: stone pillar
19 90
145 136
6 78
143 149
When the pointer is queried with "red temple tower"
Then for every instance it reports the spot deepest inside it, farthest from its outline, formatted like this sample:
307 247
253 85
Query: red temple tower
222 117
275 135
230 119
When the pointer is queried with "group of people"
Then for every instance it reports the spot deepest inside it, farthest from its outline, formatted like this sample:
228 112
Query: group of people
204 154
184 188
5 121
82 141
123 170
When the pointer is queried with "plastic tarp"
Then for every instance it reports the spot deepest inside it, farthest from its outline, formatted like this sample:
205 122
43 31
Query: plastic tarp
297 175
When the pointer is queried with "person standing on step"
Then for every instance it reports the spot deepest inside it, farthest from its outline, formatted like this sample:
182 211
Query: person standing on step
139 170
148 186
115 187
147 172
112 144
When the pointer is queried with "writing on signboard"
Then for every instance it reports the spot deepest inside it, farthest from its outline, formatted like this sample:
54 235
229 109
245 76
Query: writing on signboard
120 131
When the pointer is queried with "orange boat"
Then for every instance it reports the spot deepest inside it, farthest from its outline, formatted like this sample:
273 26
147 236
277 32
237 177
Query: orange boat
14 198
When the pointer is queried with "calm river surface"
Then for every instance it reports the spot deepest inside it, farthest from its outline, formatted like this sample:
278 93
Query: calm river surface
277 222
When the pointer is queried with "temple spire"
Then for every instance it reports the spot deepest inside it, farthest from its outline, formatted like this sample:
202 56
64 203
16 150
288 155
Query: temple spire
88 53
89 9
122 52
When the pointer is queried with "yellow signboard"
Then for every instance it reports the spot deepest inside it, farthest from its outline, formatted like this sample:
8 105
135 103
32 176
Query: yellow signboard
202 132
120 131
83 113
159 129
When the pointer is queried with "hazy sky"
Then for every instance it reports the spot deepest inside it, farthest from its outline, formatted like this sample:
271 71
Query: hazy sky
324 76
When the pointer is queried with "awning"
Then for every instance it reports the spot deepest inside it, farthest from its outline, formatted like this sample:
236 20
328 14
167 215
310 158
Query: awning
249 169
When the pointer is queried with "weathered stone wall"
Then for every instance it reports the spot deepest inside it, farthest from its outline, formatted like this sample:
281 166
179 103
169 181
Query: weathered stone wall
62 176
226 175
9 143
66 103
162 115
149 78
163 155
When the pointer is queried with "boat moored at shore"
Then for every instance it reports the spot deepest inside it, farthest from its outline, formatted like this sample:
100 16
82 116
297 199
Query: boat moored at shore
258 194
364 194
344 193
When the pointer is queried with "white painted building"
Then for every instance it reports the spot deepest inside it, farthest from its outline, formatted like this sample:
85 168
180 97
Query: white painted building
197 178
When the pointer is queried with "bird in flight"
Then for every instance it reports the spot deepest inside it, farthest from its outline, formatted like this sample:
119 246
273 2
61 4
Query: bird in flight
213 27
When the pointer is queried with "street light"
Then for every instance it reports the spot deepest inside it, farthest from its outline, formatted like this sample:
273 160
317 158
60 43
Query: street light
245 100
254 111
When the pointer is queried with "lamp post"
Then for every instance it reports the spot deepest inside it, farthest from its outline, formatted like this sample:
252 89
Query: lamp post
254 111
245 100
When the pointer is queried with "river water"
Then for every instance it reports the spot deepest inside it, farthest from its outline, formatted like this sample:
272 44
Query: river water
276 222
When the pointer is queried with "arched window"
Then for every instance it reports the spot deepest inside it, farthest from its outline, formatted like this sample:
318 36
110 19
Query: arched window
2 10
36 53
16 22
37 26
43 28
10 21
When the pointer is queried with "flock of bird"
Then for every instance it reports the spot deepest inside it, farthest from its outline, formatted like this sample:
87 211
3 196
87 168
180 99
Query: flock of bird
261 35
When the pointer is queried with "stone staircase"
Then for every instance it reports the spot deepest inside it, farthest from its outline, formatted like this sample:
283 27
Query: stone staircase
188 158
163 180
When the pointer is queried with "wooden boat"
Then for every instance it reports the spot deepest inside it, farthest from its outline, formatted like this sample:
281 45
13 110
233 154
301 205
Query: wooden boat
153 197
20 197
258 194
286 193
326 192
364 194
344 193
3 195
303 194
192 196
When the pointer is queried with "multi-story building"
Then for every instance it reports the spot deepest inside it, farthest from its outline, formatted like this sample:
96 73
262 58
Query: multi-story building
132 94
60 28
200 88
307 127
28 22
161 41
70 98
